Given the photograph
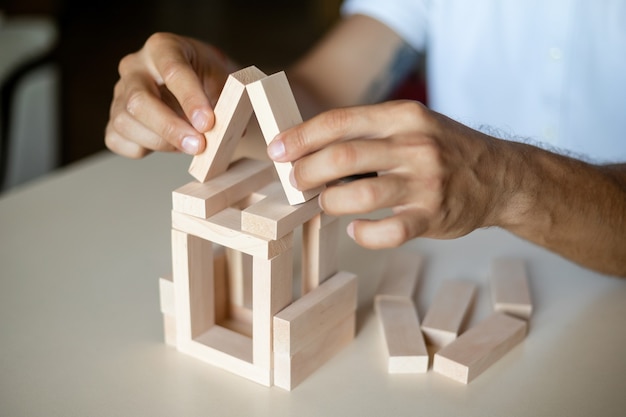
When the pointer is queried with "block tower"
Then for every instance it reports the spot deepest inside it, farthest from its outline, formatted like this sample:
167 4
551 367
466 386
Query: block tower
230 300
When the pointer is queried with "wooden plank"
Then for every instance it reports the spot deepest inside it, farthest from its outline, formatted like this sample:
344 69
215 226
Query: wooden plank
289 371
480 347
221 301
272 291
448 312
232 114
406 349
224 228
273 217
318 311
169 330
242 178
213 347
166 295
192 262
239 278
319 250
509 287
402 275
276 110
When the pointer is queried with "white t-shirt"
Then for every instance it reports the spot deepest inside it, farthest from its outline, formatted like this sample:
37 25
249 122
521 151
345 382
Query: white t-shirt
552 71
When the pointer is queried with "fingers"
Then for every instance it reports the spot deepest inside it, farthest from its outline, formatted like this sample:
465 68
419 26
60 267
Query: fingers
143 139
340 160
144 104
365 196
389 232
361 122
172 64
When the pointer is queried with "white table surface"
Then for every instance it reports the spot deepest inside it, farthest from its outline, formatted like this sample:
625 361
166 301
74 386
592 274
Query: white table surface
80 327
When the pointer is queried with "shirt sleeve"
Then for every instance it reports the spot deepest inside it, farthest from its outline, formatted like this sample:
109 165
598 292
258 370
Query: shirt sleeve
408 18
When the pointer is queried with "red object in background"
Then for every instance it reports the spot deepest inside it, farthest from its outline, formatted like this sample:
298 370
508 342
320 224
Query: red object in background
413 88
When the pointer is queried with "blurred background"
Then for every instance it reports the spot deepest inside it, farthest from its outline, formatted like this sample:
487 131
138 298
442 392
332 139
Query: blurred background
58 62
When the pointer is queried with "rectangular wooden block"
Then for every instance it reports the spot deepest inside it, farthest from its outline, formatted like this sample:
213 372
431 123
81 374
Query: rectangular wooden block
166 295
232 114
242 178
480 347
509 287
192 264
448 312
319 250
291 370
315 313
272 292
402 275
273 217
239 278
406 349
169 330
224 228
276 110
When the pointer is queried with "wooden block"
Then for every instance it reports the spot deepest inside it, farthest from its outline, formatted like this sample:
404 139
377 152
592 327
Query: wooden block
509 287
289 371
276 110
272 288
169 330
401 276
319 250
192 262
203 200
224 228
406 349
232 114
221 290
166 295
273 217
478 348
239 278
315 313
448 312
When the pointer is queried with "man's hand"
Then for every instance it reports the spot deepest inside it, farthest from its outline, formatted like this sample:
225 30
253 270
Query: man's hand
165 96
432 172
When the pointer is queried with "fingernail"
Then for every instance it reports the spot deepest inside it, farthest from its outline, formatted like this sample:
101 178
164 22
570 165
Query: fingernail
276 149
292 179
199 120
191 145
350 230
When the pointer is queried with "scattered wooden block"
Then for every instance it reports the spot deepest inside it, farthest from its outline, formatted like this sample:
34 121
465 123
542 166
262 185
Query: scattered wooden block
232 114
319 250
478 348
273 217
509 287
406 349
276 110
203 200
401 276
448 312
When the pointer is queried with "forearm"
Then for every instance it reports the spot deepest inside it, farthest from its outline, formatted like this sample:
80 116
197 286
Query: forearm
360 61
568 206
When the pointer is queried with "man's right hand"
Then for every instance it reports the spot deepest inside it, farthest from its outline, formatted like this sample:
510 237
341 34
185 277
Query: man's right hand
164 98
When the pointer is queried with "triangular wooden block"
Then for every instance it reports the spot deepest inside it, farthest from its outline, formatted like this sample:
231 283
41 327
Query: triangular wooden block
232 114
276 109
